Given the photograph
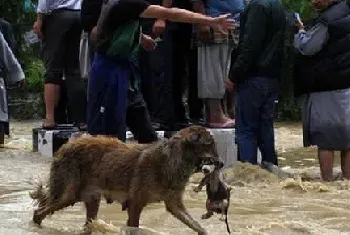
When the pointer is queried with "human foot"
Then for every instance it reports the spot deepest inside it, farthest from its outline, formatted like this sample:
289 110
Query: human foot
48 125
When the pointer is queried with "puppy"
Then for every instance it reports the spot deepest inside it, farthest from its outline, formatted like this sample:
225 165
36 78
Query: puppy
218 191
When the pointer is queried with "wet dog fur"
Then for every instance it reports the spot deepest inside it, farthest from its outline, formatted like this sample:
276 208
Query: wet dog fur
218 191
85 169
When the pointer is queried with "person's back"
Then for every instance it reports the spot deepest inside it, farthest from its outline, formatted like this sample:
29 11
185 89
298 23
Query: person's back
332 63
268 52
256 72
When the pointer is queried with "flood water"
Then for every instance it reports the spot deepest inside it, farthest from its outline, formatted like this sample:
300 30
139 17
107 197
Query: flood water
261 203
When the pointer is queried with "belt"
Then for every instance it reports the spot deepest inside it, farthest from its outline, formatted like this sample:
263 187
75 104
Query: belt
58 10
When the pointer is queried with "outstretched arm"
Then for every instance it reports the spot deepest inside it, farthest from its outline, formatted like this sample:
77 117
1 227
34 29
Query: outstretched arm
185 16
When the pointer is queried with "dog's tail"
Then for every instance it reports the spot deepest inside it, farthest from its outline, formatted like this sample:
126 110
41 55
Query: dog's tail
64 178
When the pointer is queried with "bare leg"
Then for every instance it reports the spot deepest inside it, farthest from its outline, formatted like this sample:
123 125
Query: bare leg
345 164
326 159
230 104
215 114
177 209
52 96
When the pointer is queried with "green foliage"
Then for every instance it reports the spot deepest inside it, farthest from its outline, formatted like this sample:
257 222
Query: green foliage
22 20
303 7
288 107
34 71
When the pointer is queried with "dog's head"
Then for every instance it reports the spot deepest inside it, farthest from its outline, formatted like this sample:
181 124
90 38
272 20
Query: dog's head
198 147
209 165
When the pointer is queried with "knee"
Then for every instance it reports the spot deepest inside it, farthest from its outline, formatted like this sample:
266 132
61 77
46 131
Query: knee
53 78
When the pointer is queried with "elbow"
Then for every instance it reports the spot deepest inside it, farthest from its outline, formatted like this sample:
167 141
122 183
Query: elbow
306 51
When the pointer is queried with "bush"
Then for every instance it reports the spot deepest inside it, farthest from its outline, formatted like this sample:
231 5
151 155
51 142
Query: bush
33 70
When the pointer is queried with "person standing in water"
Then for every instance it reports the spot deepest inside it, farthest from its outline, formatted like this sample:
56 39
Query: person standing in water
322 73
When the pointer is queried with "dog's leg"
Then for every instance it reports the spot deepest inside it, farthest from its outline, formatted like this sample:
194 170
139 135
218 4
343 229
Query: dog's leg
68 198
134 213
209 210
41 213
178 210
92 205
207 215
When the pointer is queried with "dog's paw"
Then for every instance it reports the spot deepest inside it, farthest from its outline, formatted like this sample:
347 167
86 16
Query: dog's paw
37 218
87 229
223 218
207 215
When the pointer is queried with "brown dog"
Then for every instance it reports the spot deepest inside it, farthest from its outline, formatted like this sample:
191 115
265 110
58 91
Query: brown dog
135 175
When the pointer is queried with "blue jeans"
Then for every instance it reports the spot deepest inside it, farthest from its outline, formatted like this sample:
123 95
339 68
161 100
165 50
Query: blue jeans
255 104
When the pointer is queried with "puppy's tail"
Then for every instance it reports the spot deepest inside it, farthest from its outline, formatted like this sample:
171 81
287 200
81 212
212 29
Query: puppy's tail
227 225
39 195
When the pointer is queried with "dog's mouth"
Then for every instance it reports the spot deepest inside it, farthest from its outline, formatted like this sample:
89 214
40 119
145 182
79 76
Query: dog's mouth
208 169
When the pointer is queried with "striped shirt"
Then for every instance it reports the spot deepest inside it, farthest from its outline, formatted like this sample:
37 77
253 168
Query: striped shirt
47 6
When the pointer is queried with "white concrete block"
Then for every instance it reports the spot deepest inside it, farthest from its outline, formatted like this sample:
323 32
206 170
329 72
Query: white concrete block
225 143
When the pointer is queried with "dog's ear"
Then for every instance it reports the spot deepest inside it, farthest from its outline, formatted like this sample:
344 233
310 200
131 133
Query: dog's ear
192 139
219 164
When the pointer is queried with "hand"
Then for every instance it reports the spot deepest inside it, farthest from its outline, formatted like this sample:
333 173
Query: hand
93 34
37 28
204 34
223 23
230 86
148 43
299 25
158 27
21 84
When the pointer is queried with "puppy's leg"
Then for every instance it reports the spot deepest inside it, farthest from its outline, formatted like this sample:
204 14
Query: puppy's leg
175 206
209 210
224 207
201 184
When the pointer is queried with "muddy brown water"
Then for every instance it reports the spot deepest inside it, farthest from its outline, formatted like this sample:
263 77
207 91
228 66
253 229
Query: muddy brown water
261 203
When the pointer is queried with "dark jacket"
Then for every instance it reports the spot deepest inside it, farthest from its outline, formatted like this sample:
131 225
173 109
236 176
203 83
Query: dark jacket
260 50
330 68
90 12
